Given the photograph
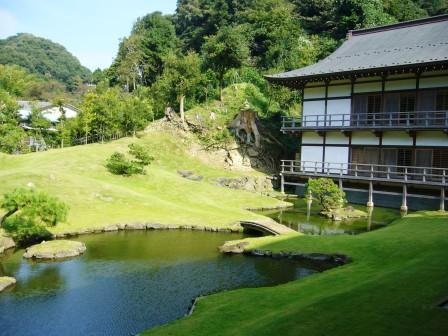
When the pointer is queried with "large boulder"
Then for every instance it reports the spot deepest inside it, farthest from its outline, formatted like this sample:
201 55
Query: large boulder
5 282
6 243
55 249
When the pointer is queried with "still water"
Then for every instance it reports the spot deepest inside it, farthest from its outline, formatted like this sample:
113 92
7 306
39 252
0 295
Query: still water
309 221
127 282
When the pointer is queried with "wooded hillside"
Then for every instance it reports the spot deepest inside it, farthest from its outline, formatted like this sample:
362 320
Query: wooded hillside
43 57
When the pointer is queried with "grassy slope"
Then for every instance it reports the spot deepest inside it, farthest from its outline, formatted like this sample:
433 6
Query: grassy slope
96 198
398 274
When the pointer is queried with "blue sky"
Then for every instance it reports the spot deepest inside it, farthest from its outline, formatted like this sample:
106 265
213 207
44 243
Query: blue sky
89 29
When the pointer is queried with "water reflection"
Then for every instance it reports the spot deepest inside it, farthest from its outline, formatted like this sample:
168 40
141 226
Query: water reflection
127 282
305 217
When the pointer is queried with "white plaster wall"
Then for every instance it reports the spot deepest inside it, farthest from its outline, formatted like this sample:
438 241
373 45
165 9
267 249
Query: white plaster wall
313 113
367 87
312 138
312 93
336 156
339 90
364 138
404 84
336 138
397 139
339 106
432 138
434 82
312 154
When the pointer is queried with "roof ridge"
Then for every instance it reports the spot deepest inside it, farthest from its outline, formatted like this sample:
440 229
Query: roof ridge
399 25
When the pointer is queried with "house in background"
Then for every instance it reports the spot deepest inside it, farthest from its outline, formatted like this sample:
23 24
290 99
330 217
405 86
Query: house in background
50 112
375 116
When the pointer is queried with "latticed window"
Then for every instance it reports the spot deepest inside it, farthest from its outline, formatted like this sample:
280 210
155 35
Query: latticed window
404 157
440 158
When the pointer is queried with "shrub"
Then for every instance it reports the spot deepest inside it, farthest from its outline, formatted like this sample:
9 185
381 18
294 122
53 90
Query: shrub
142 156
326 192
118 164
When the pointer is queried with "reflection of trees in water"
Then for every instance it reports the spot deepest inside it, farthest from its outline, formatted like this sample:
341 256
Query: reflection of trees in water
46 278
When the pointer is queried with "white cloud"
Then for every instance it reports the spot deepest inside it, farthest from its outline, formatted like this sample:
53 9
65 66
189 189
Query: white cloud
8 24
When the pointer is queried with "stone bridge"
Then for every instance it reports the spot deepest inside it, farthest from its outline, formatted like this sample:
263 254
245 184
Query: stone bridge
266 225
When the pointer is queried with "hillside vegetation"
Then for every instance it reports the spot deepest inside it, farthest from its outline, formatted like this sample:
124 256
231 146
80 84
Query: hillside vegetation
44 57
96 198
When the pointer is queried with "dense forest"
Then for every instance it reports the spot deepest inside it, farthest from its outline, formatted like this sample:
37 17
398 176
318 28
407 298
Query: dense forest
187 60
43 57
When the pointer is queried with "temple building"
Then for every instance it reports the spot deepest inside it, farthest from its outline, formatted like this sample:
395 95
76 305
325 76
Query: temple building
375 116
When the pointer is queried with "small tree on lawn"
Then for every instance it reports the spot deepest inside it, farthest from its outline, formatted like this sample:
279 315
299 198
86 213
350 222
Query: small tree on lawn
118 164
28 212
326 192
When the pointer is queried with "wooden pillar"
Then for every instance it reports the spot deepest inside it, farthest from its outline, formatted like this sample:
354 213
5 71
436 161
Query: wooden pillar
282 184
340 185
370 201
404 204
442 199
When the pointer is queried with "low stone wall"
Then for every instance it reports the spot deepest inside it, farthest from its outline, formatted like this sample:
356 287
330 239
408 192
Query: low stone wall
147 226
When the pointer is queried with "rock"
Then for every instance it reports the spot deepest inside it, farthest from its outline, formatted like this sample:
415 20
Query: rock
234 158
195 178
30 184
55 249
110 228
345 213
136 226
6 243
185 173
252 152
154 226
6 282
231 247
121 226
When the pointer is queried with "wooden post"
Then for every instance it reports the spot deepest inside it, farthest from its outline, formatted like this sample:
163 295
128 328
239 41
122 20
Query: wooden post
442 199
282 184
370 201
404 205
340 185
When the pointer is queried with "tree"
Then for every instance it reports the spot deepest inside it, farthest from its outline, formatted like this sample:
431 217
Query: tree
59 102
141 55
14 79
137 111
226 50
181 78
326 192
118 164
28 210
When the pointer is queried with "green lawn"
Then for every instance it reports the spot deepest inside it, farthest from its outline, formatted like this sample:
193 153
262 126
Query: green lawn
97 198
397 276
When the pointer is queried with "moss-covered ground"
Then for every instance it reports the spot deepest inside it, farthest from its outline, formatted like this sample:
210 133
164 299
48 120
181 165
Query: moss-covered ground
392 287
96 198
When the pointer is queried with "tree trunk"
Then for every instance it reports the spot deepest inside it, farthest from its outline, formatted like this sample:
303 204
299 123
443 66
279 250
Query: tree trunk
6 215
246 121
181 110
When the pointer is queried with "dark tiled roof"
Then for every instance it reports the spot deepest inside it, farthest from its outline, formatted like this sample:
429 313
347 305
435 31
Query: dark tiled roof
416 42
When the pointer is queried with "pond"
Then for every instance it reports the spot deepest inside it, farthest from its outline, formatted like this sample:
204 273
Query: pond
127 282
313 223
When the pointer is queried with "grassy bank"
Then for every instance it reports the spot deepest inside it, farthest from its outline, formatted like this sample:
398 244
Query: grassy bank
97 198
397 276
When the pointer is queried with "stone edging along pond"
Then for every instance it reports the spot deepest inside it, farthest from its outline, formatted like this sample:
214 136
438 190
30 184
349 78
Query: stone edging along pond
236 227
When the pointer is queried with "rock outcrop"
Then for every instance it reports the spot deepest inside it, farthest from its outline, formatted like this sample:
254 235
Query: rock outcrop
6 243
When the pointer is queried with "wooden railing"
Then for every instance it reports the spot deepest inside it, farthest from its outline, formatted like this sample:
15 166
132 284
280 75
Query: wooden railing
360 171
382 120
